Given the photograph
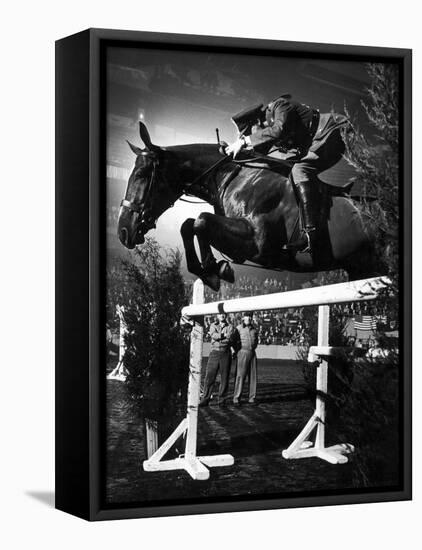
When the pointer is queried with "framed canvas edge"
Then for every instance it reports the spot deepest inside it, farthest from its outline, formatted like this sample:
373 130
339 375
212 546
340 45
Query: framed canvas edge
72 306
406 287
99 38
241 43
251 505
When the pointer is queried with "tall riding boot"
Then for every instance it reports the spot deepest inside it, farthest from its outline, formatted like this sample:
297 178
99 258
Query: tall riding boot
308 198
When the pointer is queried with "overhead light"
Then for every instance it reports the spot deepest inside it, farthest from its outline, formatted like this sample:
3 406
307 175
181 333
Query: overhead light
141 114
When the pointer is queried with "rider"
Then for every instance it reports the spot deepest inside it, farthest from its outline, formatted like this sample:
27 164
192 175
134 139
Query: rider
312 139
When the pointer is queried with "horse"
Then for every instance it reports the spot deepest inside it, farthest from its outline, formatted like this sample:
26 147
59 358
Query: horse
256 213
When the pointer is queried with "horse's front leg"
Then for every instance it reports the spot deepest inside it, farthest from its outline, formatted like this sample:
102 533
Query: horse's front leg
209 276
231 236
210 264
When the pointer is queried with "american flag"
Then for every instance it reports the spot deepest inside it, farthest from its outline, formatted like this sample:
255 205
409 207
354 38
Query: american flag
366 323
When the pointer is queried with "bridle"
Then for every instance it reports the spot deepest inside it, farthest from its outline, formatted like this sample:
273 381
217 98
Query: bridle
138 208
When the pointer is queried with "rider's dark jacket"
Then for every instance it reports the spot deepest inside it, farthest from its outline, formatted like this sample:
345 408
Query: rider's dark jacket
293 125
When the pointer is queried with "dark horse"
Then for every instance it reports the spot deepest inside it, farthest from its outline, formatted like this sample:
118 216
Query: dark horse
256 213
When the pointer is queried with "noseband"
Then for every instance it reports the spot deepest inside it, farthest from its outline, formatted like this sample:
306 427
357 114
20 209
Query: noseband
133 207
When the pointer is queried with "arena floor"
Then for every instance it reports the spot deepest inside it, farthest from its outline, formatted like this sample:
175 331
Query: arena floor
255 436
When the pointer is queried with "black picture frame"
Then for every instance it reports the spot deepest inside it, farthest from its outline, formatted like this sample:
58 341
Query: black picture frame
80 173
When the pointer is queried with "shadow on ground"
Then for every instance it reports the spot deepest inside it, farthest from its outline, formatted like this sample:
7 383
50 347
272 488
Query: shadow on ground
45 497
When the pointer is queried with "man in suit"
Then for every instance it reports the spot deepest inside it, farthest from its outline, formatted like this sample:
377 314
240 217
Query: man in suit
311 139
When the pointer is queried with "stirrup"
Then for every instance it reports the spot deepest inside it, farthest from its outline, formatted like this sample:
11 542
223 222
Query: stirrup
307 245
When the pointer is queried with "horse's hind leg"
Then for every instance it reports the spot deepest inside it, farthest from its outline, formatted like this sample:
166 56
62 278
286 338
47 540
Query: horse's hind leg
364 264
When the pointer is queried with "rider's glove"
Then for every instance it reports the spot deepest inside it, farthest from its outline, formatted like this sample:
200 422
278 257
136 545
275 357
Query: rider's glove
235 147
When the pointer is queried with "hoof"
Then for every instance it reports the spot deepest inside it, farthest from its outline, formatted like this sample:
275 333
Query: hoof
225 271
212 280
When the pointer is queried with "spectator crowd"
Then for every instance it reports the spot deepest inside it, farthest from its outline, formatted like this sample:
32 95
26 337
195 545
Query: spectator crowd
291 327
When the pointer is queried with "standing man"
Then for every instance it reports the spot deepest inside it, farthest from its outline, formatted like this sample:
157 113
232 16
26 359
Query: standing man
247 338
221 334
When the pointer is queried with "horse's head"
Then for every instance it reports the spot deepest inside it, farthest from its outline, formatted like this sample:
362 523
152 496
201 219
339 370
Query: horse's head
147 194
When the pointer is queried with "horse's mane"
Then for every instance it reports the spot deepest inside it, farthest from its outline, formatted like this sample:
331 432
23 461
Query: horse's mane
195 148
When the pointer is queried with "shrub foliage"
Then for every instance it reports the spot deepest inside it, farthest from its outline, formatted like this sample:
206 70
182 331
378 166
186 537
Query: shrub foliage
157 354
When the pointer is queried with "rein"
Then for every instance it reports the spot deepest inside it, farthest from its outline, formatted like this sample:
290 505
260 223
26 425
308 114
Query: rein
192 202
131 205
207 171
198 179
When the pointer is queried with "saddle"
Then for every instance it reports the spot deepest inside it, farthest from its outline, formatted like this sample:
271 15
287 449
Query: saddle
284 168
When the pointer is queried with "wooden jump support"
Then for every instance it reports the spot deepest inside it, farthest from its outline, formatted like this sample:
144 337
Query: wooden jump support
301 447
120 372
195 465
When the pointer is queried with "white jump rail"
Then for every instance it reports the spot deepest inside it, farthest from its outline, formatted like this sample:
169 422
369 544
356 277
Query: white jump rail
302 447
354 291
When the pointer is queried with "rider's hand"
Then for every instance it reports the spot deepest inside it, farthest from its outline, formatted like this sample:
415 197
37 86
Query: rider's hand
235 147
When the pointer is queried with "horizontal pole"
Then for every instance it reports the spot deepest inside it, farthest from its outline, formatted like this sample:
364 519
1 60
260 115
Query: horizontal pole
353 291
